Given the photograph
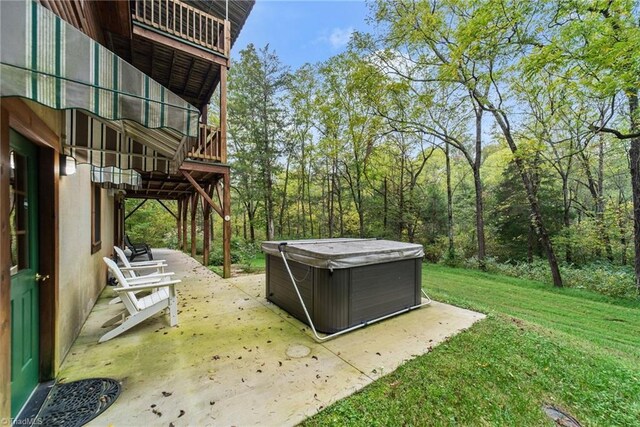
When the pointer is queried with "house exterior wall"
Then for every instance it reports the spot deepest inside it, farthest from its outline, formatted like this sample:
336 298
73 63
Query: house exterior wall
82 274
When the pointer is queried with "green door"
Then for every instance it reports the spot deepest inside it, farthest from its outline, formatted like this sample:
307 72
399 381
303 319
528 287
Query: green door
24 267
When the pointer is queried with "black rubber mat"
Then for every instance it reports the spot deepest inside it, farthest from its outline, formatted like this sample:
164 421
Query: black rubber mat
76 403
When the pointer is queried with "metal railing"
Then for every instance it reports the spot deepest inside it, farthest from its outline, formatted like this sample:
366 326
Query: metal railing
183 21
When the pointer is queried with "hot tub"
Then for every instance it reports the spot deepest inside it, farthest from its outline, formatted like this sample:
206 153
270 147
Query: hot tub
344 282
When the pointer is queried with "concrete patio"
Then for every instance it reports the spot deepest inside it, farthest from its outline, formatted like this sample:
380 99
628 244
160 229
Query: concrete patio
236 359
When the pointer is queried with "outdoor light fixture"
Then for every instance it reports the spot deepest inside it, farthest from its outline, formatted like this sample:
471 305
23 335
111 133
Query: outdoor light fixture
67 165
12 164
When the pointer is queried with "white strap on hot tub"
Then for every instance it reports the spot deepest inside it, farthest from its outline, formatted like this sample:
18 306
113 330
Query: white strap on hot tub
344 331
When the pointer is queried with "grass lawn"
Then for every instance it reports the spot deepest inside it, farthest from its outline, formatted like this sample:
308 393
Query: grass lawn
258 261
539 345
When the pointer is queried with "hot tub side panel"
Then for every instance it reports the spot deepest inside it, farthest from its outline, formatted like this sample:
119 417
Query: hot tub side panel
280 290
381 289
345 297
331 300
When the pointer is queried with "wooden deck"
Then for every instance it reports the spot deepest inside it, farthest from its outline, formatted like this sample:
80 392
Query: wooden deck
183 21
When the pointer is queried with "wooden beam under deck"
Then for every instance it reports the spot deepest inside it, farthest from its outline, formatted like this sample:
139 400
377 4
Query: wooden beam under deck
216 168
202 192
180 46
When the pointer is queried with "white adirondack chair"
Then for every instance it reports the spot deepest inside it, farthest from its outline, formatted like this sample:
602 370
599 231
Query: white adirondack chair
140 309
133 269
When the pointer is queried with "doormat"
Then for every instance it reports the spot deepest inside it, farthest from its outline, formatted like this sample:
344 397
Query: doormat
76 403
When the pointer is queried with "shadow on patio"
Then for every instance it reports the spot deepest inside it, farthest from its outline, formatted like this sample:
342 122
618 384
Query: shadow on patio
236 359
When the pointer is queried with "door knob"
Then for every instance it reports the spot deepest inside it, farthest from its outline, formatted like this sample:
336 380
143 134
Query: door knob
41 278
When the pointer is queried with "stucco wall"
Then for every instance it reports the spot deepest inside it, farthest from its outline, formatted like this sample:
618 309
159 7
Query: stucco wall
82 274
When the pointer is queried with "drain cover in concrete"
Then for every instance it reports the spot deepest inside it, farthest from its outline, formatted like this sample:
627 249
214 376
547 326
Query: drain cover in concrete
298 351
560 417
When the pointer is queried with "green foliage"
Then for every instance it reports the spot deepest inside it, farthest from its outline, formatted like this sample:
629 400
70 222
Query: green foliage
600 277
152 224
242 252
511 215
353 146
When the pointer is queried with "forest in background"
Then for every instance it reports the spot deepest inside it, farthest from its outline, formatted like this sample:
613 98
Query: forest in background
499 134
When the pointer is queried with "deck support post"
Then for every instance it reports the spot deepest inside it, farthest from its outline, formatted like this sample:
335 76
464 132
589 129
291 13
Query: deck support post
194 208
226 181
185 211
206 238
179 223
226 225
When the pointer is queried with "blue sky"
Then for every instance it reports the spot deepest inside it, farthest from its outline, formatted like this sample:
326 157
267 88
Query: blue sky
302 31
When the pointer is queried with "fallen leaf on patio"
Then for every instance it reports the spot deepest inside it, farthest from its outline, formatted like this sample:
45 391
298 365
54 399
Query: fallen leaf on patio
181 413
166 393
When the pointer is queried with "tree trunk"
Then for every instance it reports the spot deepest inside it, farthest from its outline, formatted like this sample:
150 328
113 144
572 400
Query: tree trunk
385 205
303 221
330 202
340 209
451 248
244 226
477 181
401 203
623 230
634 158
600 203
566 215
536 214
283 206
252 230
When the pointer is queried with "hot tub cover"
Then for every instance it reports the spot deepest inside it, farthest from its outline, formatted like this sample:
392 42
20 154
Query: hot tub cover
344 253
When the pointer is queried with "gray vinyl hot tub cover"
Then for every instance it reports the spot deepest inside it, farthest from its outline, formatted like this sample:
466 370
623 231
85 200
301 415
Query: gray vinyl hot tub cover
344 253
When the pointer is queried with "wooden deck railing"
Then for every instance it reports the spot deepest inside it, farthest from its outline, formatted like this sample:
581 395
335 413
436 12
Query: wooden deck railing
183 21
208 147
